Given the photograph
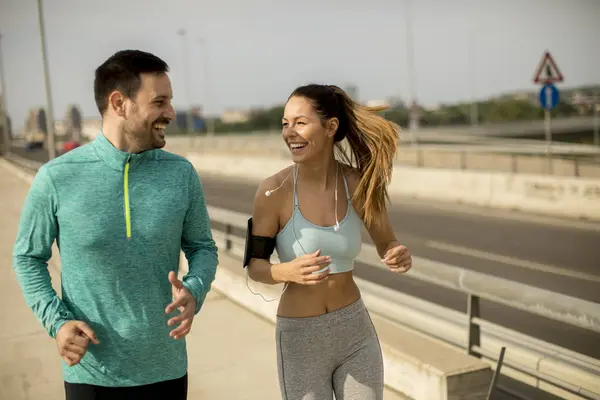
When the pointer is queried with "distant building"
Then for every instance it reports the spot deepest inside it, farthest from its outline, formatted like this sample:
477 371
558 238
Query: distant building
181 120
378 103
396 101
90 128
36 120
73 121
36 128
235 116
585 103
8 121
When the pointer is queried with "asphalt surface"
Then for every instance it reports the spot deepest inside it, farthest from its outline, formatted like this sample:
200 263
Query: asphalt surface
482 241
561 256
535 251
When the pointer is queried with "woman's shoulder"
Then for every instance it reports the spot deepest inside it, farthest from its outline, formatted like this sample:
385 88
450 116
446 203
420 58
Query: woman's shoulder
352 176
276 181
277 178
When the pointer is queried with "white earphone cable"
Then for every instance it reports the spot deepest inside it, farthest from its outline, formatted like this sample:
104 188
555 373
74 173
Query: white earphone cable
335 228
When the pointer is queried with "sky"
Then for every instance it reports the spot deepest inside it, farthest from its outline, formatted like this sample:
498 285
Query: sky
253 53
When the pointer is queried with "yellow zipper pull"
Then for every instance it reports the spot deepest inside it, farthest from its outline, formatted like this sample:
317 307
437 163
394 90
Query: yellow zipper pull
126 192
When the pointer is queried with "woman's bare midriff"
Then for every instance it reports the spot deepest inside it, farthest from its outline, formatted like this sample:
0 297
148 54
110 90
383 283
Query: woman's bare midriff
300 301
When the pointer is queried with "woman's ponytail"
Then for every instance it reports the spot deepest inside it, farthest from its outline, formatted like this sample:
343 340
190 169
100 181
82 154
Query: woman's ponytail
373 142
370 147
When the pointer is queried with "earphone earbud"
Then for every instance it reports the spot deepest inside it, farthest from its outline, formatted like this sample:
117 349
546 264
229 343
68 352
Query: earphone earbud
269 192
337 226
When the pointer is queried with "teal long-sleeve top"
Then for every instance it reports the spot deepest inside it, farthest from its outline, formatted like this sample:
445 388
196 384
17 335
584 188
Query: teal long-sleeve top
120 221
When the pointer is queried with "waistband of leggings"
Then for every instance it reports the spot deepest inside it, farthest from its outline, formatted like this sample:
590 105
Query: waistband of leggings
340 315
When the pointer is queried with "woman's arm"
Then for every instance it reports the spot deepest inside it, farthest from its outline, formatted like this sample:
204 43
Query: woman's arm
383 236
396 256
265 222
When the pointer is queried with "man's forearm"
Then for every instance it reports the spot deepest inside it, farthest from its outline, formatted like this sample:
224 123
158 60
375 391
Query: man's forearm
34 279
202 267
38 228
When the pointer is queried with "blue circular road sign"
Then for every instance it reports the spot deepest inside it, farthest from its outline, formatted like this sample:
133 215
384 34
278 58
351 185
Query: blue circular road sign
549 97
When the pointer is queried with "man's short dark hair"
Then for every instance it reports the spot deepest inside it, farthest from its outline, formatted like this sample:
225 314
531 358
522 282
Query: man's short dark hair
122 72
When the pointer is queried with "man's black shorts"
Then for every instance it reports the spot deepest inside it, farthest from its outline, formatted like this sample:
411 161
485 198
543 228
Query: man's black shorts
175 389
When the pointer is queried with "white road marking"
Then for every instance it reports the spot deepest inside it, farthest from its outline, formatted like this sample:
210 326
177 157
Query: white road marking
550 269
522 217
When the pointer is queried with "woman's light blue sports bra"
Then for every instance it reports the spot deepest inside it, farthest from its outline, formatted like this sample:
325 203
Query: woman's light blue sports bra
299 237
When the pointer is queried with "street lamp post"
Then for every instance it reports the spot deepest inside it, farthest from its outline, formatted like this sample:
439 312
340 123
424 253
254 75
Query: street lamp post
49 110
3 118
210 123
472 72
595 103
187 83
413 109
412 116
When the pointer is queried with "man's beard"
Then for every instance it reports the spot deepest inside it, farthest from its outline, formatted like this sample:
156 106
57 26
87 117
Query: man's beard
140 136
143 136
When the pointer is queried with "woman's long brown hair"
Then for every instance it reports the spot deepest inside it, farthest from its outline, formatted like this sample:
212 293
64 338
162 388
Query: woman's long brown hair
372 141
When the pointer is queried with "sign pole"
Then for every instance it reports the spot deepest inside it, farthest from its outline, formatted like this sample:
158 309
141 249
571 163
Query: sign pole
596 132
548 127
547 73
3 113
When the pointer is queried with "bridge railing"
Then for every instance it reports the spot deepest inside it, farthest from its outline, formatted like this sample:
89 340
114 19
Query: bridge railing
470 331
556 367
518 156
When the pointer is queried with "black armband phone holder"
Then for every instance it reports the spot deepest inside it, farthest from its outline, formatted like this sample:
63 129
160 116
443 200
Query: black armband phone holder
257 246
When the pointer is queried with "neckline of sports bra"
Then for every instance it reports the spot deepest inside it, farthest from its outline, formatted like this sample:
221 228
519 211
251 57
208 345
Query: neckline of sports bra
327 227
296 205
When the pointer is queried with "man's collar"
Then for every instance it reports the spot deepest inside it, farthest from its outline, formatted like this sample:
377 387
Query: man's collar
113 157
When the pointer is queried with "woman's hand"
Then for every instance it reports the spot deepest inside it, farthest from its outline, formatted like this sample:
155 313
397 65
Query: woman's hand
301 269
397 258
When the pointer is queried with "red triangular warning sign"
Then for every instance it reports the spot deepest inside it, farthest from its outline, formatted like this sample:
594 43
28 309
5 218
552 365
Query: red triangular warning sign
547 71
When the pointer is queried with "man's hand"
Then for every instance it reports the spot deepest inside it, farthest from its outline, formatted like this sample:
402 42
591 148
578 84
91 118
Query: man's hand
72 340
186 303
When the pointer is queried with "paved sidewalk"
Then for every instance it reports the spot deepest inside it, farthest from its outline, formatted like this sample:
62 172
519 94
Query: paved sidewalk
231 350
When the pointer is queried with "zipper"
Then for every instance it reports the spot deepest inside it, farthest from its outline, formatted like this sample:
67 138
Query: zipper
126 196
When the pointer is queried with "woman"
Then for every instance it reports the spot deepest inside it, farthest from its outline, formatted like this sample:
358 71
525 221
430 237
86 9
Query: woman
326 342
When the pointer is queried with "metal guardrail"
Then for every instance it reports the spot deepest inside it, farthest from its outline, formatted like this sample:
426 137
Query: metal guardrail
468 331
432 141
517 156
477 286
29 165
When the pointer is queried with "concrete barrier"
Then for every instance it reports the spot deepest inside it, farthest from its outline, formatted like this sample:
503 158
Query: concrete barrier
550 195
520 156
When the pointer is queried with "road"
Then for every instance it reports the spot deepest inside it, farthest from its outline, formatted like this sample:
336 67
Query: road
557 255
553 256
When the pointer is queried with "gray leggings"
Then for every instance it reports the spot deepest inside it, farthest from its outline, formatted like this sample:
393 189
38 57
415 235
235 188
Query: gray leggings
337 353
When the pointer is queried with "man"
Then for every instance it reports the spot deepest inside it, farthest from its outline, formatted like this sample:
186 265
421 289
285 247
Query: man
121 210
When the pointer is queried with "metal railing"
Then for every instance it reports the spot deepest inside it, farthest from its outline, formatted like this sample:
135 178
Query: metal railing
469 331
510 156
29 165
477 286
